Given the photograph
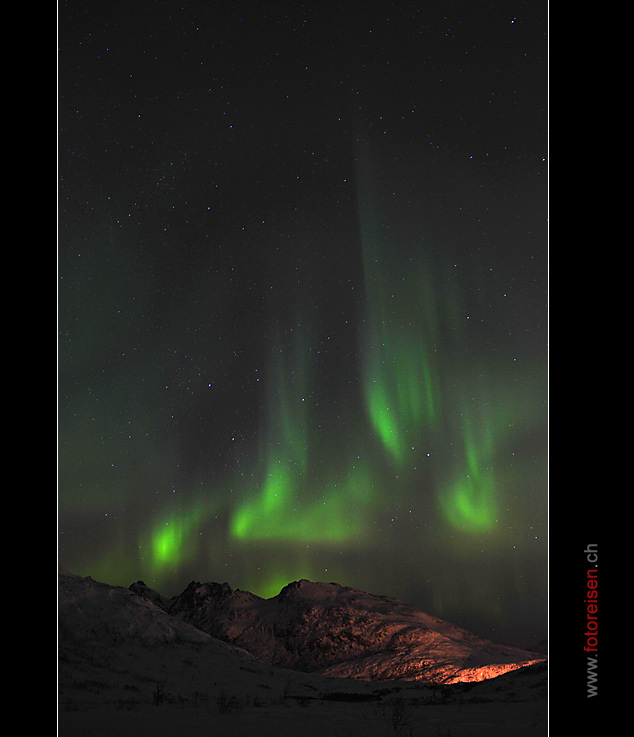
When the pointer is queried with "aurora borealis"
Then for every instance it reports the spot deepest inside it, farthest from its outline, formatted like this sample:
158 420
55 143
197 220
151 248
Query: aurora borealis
302 260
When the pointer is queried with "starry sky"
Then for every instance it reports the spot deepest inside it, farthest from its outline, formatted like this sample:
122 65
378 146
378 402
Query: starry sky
302 299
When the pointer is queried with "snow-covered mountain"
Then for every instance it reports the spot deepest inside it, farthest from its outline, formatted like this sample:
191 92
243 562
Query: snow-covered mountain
124 644
124 652
340 631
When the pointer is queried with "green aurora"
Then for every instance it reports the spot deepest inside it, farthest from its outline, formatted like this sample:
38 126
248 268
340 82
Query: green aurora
302 492
303 286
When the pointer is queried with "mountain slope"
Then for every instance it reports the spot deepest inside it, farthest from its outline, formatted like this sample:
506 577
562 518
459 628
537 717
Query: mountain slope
339 631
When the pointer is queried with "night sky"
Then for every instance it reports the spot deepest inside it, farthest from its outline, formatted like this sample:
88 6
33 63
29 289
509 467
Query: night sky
302 299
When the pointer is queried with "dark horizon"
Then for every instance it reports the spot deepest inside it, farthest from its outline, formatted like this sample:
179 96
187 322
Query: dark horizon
302 303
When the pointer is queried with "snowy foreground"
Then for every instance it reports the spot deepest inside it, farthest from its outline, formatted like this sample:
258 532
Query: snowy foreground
128 669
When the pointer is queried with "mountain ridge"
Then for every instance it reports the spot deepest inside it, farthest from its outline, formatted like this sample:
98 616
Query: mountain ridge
340 631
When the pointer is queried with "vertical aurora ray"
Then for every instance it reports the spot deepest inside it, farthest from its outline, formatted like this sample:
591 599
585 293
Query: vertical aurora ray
490 417
267 513
469 501
423 385
399 388
297 496
400 382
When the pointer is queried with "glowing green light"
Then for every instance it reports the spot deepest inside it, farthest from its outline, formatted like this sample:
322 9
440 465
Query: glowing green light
173 540
167 544
271 586
271 581
299 495
470 503
400 382
281 512
384 418
402 392
470 500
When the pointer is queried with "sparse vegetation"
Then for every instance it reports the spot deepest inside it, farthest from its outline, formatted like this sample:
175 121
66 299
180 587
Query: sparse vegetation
227 703
158 696
398 715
